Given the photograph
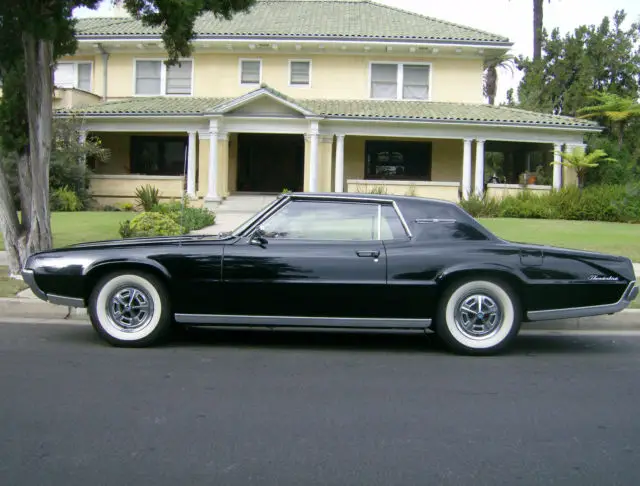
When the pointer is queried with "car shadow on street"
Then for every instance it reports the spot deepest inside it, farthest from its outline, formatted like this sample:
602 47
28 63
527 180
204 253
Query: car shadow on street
410 342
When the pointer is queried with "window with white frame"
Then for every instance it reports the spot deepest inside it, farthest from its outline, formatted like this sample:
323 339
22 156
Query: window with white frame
300 73
154 77
73 75
250 71
400 81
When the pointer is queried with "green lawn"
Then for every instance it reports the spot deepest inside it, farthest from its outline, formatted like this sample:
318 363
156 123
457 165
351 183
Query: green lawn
70 228
615 238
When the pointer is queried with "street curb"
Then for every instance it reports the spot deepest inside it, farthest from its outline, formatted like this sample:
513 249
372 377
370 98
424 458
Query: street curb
17 307
623 321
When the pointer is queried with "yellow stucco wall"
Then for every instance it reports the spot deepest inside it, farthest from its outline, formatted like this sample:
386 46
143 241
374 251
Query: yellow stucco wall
325 168
203 167
499 191
119 146
123 187
332 76
446 191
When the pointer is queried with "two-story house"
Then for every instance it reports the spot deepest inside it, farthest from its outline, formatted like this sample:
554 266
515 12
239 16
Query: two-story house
314 95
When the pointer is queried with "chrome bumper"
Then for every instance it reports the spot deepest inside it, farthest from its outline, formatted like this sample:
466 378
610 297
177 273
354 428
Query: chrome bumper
30 280
630 293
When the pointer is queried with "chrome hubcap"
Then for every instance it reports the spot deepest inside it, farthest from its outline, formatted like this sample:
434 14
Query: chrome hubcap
130 309
478 316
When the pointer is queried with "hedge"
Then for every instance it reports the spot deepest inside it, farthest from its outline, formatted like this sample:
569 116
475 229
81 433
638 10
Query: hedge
612 203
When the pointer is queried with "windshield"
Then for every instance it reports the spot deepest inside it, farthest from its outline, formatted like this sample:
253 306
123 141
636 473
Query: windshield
240 229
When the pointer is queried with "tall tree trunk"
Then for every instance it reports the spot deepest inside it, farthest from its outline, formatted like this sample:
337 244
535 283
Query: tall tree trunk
15 238
39 80
491 86
538 12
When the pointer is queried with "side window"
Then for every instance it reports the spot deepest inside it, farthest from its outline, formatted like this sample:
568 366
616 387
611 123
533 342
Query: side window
391 227
319 220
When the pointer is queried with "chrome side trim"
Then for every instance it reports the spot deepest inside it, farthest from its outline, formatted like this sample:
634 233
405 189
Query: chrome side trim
587 311
299 321
402 220
66 301
30 279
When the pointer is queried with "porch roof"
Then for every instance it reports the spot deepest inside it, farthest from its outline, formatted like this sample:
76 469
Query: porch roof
312 19
346 109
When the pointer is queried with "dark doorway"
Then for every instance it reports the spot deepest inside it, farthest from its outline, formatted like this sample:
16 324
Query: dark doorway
270 163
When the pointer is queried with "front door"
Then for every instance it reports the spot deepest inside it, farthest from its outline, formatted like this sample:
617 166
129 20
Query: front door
270 162
315 259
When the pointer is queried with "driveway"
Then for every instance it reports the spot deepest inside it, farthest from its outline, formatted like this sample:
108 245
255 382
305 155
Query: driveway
241 408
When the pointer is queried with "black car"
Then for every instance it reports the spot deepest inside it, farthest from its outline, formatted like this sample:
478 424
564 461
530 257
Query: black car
334 261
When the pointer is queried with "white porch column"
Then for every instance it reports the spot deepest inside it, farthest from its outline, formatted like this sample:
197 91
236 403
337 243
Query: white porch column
339 176
212 191
314 131
557 168
191 165
466 168
479 167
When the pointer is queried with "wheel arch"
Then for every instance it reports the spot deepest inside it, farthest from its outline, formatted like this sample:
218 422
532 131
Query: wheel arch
453 275
94 273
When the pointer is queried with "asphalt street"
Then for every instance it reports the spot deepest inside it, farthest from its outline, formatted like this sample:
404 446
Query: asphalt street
282 408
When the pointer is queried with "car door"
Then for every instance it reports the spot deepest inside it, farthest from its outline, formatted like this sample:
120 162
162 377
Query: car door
312 258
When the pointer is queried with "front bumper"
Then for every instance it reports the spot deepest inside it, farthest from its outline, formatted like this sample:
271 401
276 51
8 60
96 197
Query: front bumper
30 279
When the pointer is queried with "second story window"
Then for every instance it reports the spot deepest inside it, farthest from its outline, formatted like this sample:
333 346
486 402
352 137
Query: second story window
73 75
300 73
250 71
400 81
156 78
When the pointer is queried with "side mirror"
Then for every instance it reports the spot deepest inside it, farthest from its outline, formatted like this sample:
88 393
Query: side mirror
258 237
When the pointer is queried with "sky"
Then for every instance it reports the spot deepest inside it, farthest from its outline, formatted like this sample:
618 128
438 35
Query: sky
511 18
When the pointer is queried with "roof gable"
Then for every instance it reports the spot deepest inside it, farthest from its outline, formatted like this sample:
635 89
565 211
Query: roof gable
262 101
321 19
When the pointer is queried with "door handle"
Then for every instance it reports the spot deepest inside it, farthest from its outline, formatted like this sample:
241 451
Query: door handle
368 253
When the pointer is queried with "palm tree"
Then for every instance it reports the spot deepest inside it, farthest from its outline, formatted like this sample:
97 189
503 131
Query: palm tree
491 66
581 162
619 110
538 17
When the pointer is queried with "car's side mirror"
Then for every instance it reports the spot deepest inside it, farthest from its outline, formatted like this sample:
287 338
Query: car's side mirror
258 238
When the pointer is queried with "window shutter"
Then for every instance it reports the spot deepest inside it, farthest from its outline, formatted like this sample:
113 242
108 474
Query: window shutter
65 75
416 83
179 78
84 76
300 72
148 75
250 72
384 81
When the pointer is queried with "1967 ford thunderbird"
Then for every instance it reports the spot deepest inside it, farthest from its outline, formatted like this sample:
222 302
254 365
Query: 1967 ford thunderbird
334 261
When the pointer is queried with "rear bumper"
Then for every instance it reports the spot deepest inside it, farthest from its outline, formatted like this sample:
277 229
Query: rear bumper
29 278
630 294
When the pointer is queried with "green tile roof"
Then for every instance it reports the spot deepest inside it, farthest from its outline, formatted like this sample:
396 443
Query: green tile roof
352 19
425 111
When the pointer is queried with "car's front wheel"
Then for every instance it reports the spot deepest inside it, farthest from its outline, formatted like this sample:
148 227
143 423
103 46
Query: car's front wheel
130 309
478 316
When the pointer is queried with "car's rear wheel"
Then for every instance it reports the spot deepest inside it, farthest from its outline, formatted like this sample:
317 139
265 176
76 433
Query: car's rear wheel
130 309
478 316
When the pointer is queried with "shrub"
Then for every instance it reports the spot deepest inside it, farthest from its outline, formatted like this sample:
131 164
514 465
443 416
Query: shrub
613 203
64 199
126 206
186 217
147 197
109 208
125 229
150 224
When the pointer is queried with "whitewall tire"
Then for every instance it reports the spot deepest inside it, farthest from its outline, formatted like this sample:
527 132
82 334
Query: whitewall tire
478 316
130 309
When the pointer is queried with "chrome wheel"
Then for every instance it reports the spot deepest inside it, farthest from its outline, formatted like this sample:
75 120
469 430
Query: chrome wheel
478 316
130 309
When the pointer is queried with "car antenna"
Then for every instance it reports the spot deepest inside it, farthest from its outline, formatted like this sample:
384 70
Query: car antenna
185 194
